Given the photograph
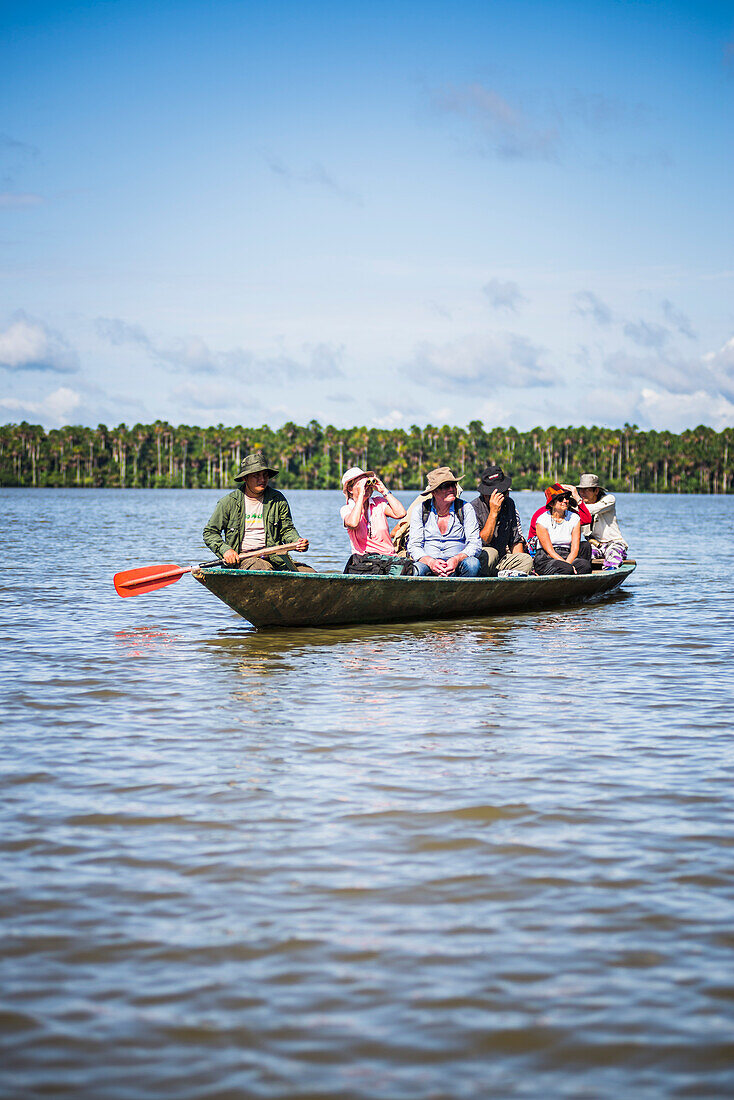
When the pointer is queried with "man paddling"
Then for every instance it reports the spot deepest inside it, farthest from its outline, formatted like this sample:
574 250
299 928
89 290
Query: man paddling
253 516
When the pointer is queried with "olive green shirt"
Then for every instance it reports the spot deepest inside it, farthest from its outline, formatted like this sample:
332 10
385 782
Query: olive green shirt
226 527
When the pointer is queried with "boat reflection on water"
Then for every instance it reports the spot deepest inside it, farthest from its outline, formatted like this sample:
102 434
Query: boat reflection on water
399 674
239 638
145 640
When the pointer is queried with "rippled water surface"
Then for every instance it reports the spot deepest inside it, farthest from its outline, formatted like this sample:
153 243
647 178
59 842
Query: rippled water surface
464 859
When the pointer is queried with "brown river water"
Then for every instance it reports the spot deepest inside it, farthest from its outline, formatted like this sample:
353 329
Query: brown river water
438 860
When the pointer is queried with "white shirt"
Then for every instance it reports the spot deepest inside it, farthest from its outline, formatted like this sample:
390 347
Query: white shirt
254 536
560 532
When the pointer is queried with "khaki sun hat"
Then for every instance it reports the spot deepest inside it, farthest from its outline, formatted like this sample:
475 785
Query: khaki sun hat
590 481
436 477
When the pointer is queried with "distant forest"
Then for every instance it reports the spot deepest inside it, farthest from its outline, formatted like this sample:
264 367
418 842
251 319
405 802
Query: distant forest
160 456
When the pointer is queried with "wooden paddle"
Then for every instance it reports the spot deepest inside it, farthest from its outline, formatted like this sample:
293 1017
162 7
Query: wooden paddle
133 582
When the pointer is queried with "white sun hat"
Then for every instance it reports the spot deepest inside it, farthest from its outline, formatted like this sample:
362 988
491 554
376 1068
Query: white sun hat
351 473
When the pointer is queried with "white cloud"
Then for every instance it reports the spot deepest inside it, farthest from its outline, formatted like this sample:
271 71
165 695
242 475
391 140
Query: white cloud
644 333
392 419
192 355
119 332
491 412
600 112
676 411
553 123
211 396
604 405
315 361
647 334
315 175
723 359
27 344
504 295
439 311
712 373
208 402
476 364
720 367
678 318
589 305
675 376
505 130
53 411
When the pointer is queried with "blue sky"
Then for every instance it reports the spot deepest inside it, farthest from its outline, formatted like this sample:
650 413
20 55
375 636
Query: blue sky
384 213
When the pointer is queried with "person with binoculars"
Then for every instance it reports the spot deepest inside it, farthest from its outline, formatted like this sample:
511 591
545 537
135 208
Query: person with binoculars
365 515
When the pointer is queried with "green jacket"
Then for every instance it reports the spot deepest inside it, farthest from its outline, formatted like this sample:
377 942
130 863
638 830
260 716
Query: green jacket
228 519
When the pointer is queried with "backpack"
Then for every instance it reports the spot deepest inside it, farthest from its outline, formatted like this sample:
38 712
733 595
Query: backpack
380 565
458 509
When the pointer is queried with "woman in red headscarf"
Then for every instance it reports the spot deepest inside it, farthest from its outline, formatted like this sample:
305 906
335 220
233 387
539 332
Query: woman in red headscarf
576 503
558 531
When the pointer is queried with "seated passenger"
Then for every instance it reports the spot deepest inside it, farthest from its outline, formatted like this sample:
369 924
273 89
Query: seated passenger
444 534
605 536
576 504
499 524
401 530
558 530
253 517
365 515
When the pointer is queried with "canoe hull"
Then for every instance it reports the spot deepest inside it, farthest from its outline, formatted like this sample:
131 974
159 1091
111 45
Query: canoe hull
285 599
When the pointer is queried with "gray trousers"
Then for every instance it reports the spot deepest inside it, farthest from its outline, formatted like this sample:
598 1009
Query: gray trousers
523 563
263 563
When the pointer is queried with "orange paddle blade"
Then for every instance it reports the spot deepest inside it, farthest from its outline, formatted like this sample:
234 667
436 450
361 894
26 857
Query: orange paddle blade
132 582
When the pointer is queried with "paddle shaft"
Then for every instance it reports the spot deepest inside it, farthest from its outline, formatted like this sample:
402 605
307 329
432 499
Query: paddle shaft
170 575
258 552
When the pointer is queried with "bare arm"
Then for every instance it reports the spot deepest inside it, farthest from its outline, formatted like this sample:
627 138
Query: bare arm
575 542
353 518
495 504
487 532
543 536
394 508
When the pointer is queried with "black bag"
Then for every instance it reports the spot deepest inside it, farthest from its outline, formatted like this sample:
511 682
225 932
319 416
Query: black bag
380 565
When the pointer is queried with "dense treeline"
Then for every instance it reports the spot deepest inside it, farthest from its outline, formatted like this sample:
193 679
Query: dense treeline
160 455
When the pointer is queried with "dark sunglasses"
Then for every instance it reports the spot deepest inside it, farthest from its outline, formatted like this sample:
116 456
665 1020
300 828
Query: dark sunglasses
446 485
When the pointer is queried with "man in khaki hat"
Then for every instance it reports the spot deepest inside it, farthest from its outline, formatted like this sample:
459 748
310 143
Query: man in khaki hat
604 535
444 536
254 516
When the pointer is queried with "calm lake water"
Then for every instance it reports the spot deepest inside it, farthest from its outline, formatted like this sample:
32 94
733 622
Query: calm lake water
453 860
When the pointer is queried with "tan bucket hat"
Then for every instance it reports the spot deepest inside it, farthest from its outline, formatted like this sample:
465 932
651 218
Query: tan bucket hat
436 477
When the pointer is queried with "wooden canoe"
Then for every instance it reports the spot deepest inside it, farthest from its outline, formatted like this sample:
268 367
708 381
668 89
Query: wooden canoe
283 599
